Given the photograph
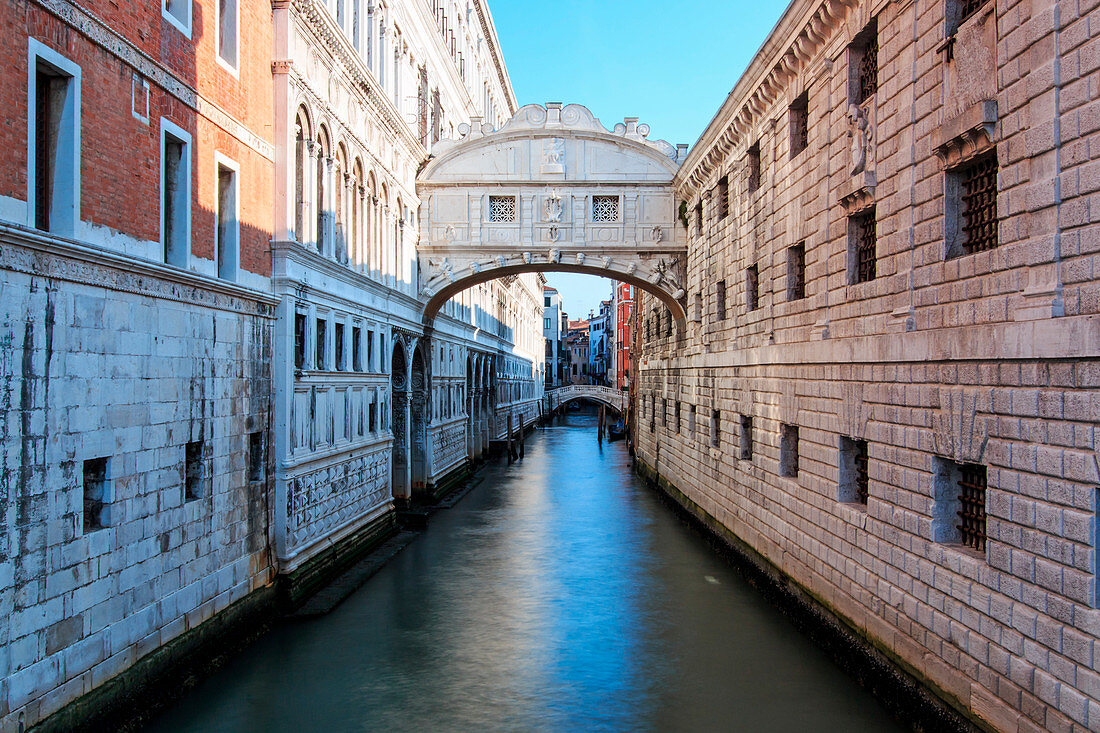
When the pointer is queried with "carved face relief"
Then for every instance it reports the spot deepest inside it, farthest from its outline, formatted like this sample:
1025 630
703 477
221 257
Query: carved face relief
553 207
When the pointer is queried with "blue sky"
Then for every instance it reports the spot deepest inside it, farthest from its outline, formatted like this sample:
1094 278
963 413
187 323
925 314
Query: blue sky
671 64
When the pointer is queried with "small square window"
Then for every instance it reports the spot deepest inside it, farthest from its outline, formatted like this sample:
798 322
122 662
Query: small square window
605 208
716 428
256 458
502 208
788 451
720 299
796 272
691 419
862 246
959 503
799 113
97 494
194 476
746 438
854 477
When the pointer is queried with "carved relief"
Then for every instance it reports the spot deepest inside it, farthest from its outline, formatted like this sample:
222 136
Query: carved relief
320 501
859 132
958 432
553 207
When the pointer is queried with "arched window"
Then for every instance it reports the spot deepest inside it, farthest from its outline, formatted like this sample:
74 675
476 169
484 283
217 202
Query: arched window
302 143
339 205
372 224
321 199
357 193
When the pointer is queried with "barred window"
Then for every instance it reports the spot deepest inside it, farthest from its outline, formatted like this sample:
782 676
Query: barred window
854 476
864 56
605 208
977 189
502 208
861 247
800 132
753 162
723 197
720 299
788 450
959 496
746 438
796 272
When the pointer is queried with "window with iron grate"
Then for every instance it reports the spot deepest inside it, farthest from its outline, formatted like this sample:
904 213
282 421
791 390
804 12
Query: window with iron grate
502 208
796 272
863 54
788 451
605 208
745 453
958 511
720 298
800 121
854 478
723 197
753 163
975 185
861 247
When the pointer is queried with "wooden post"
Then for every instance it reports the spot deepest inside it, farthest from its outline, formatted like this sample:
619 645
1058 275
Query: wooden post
599 427
509 437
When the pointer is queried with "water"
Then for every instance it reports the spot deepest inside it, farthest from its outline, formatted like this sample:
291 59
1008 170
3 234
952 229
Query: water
559 595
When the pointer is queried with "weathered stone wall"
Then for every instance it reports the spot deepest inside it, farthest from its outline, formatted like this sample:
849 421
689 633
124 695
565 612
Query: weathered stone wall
990 358
103 358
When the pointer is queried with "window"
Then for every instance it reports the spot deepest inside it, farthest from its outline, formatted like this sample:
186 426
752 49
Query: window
972 206
228 232
716 428
691 419
723 197
854 479
753 163
178 13
193 471
605 208
752 288
799 113
960 10
338 343
958 509
372 415
664 412
861 247
699 218
175 192
677 416
863 64
299 340
698 307
546 301
668 323
720 299
53 155
356 348
319 356
796 272
256 459
502 208
746 438
788 450
370 351
227 33
97 494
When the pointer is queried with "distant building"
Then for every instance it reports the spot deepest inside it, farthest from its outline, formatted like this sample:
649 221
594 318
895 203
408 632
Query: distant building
553 332
599 343
622 311
576 342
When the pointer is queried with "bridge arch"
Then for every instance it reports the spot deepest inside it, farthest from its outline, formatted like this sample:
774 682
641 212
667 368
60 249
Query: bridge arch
552 190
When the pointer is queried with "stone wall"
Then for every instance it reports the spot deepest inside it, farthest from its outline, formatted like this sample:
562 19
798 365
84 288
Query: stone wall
107 359
942 359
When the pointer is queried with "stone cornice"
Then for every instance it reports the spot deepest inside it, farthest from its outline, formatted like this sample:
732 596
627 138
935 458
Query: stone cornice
42 255
800 35
339 47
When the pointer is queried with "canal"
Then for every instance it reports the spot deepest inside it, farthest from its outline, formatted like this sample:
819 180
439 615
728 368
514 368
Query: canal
560 594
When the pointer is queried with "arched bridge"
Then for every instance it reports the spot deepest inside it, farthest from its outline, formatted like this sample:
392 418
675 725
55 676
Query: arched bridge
551 190
613 398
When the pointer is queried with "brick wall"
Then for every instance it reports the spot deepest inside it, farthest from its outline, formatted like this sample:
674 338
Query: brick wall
990 358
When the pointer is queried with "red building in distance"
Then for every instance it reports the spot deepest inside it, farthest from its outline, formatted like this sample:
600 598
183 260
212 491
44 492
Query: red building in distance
624 308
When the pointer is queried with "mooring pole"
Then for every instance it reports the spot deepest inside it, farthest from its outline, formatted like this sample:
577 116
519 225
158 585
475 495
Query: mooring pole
599 427
510 457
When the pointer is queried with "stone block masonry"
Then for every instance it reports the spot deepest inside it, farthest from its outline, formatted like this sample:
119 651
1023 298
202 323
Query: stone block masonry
910 433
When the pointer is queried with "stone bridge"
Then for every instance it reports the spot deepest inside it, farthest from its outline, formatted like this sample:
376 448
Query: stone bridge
613 398
551 190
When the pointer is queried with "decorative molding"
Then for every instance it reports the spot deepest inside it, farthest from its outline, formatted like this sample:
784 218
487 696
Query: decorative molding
967 135
858 193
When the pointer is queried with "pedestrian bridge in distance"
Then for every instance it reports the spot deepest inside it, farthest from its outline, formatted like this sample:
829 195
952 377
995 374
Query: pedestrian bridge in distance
613 398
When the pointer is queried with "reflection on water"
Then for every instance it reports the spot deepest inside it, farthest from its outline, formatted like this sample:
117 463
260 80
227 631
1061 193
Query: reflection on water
560 595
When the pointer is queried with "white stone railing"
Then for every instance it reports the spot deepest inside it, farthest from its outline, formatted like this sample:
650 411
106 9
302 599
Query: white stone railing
609 396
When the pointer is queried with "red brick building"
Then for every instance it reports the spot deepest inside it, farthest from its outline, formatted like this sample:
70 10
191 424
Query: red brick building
624 310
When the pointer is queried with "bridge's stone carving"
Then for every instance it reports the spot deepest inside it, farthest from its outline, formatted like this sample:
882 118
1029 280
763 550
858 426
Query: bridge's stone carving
613 398
551 190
